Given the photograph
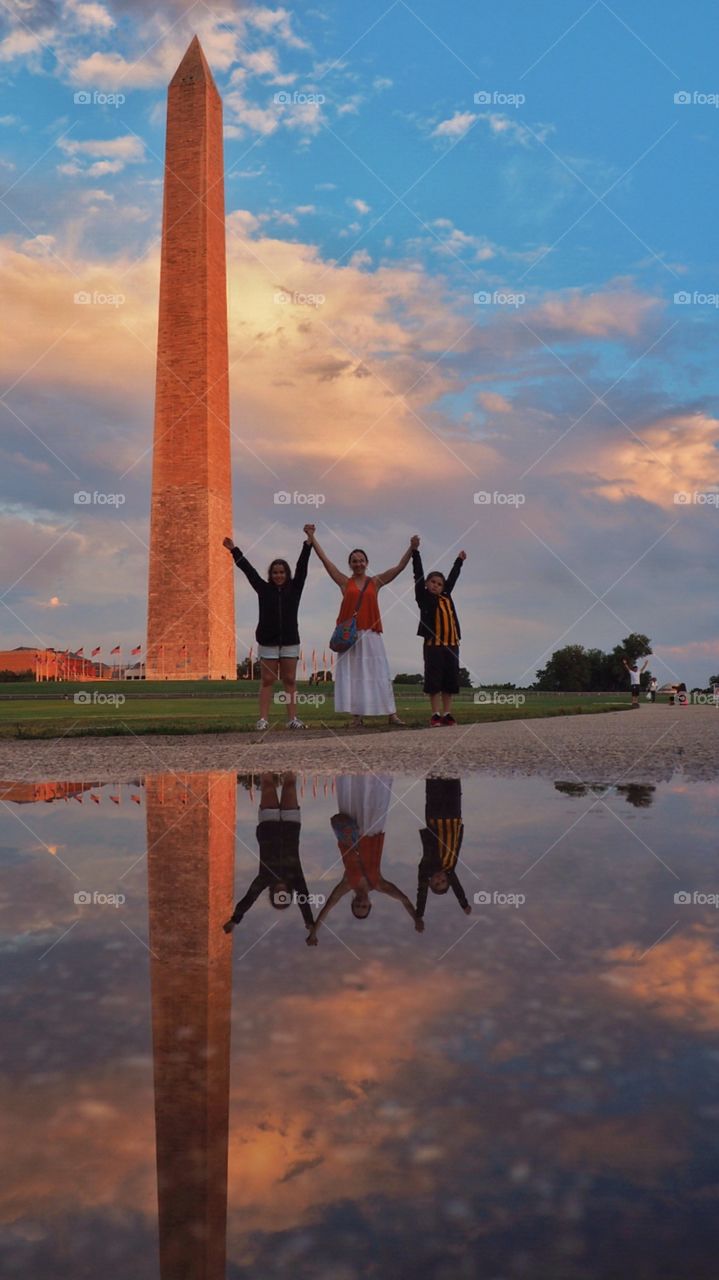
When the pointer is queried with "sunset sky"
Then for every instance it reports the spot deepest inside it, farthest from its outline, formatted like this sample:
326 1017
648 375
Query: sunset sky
471 250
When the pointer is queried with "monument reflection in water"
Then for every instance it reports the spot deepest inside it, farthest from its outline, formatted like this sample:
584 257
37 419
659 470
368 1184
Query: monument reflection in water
190 869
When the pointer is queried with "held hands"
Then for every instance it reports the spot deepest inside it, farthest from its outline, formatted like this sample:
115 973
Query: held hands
462 555
227 542
309 530
467 910
414 542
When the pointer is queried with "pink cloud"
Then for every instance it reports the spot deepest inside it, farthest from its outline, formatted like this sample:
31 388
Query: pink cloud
618 312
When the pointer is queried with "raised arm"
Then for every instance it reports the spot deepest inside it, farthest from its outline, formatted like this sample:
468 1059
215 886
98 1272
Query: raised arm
418 571
259 883
454 572
459 893
302 561
243 563
381 579
338 892
392 891
333 571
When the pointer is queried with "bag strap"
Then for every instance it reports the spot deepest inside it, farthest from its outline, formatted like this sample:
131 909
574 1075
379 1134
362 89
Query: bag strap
359 602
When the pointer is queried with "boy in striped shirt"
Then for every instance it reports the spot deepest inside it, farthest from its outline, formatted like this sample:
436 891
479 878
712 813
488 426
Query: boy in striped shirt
439 629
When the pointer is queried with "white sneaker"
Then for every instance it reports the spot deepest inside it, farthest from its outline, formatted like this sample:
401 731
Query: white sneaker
262 724
295 724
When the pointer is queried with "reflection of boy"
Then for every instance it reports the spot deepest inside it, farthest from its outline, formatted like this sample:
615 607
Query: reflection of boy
441 842
278 837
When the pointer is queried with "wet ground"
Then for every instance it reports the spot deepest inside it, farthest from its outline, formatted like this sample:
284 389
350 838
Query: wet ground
507 1068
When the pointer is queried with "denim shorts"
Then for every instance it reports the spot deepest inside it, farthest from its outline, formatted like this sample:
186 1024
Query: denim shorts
278 651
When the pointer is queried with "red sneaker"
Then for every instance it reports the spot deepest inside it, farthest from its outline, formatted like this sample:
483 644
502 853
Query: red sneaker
436 721
448 719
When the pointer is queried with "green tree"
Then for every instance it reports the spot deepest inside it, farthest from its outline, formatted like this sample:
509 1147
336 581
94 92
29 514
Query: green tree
567 671
465 679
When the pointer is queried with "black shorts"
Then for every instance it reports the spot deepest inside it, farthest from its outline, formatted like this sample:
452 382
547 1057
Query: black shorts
441 668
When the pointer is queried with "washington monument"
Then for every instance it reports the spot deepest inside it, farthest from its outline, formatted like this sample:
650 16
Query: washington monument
191 613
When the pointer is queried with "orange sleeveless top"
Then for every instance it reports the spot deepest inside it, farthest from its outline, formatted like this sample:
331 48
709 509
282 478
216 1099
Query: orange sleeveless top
368 618
363 859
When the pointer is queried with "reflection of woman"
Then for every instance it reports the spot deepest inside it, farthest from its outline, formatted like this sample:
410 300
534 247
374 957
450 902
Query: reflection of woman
363 685
277 634
278 836
359 828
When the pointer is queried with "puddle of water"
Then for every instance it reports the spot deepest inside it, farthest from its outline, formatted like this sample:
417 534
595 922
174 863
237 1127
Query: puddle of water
498 1055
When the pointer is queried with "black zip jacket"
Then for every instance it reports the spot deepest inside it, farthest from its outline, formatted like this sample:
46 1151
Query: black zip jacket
279 844
278 605
428 602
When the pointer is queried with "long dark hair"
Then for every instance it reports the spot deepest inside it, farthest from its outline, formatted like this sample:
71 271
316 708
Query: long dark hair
286 568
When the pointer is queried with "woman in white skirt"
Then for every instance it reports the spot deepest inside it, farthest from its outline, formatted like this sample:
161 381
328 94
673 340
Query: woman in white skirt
363 685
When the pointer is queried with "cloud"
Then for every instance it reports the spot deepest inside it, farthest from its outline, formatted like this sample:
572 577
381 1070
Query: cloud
116 153
454 242
677 980
493 402
360 205
279 23
128 147
88 17
677 454
605 313
456 126
513 131
22 43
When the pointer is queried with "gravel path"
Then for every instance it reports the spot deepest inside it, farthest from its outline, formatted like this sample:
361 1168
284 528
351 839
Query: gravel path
594 748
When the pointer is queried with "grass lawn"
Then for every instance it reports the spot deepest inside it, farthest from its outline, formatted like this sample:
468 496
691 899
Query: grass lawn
49 710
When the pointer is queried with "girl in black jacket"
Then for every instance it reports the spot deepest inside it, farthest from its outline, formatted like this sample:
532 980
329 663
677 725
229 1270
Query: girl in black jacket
277 634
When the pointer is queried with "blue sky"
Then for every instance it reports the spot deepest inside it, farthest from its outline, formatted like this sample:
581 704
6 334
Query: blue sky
420 157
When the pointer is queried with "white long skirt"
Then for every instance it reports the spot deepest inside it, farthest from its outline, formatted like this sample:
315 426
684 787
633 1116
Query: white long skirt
366 798
363 685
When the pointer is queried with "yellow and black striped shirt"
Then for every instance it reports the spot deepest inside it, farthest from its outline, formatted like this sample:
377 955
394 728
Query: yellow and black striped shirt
445 628
448 832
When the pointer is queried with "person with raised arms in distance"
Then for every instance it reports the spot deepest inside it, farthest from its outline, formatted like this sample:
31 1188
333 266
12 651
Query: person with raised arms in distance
277 633
439 629
635 677
363 684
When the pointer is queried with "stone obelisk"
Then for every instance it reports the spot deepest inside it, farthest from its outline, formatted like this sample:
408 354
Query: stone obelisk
191 612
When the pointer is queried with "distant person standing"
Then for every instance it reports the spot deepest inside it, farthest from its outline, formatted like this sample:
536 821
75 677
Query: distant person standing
653 689
635 676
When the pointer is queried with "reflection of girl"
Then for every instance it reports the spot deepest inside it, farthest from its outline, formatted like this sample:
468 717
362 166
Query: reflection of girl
359 828
278 836
363 685
277 634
